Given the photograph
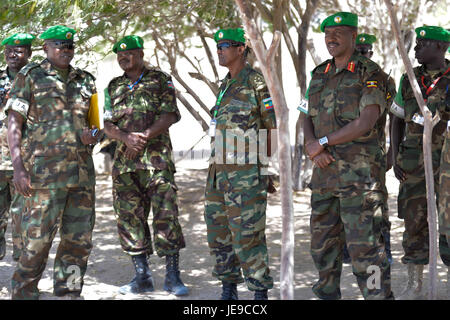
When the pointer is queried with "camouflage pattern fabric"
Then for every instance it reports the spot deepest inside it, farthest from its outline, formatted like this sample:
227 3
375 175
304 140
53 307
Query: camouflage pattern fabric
74 210
352 216
235 194
412 200
134 110
62 174
444 198
56 113
354 180
148 180
9 200
134 194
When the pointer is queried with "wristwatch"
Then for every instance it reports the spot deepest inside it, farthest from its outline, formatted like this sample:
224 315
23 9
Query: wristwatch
323 141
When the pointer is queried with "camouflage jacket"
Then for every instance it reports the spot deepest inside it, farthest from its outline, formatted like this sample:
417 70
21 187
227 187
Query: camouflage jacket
55 113
410 156
245 109
444 186
336 98
135 110
5 87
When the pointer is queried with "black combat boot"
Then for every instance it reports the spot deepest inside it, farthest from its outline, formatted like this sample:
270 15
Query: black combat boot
143 281
173 283
261 295
229 291
2 248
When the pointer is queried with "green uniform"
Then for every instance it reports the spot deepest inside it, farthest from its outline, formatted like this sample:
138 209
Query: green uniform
348 195
236 188
9 200
412 197
62 176
444 193
148 180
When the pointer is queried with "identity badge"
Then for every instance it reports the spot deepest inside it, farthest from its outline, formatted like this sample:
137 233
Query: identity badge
212 128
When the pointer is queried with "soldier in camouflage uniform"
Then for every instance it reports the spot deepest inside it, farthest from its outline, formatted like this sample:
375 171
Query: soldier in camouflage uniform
140 107
364 43
51 151
237 183
17 52
407 131
347 96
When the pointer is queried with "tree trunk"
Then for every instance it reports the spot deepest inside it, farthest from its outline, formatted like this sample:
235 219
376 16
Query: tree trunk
269 70
429 123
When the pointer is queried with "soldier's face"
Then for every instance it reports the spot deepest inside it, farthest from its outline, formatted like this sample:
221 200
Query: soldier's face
427 51
339 40
17 56
365 50
130 59
59 53
228 52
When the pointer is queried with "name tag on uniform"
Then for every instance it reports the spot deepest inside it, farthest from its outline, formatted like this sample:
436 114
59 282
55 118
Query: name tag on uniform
397 110
212 128
303 106
417 118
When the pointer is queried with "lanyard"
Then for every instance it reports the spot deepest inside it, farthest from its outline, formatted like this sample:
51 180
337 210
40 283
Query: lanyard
131 86
431 87
221 94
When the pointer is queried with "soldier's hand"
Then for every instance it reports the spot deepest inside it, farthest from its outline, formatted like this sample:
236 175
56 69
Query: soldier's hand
323 159
136 141
87 138
313 148
22 182
399 173
131 154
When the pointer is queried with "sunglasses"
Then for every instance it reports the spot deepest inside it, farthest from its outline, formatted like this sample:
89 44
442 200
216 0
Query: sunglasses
226 45
62 45
364 51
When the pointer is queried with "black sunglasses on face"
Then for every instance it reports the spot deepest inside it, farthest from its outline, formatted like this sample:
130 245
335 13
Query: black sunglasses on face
225 45
364 51
63 45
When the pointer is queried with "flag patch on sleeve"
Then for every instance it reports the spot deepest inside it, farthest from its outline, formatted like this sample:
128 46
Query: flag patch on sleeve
268 104
372 84
170 84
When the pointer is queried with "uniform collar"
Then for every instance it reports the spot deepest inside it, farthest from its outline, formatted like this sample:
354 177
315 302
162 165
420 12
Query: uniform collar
351 65
241 75
47 66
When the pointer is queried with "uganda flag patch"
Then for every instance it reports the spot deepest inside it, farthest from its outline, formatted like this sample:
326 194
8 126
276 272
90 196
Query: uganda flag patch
268 103
372 84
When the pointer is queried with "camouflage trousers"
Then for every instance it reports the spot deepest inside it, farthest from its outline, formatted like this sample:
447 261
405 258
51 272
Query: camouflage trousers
10 204
70 210
354 216
134 194
412 207
236 223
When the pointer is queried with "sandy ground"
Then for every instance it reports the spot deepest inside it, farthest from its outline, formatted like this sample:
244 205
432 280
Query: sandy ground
109 267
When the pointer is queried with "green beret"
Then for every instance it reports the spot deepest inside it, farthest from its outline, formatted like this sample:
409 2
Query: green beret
19 39
340 19
433 33
128 43
58 33
364 38
230 34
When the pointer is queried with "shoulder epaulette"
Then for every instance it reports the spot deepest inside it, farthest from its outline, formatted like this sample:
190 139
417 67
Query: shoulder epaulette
322 67
27 68
369 65
80 71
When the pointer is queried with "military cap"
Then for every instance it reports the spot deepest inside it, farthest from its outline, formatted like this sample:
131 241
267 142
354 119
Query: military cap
128 43
364 38
340 19
19 39
58 33
433 33
230 34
